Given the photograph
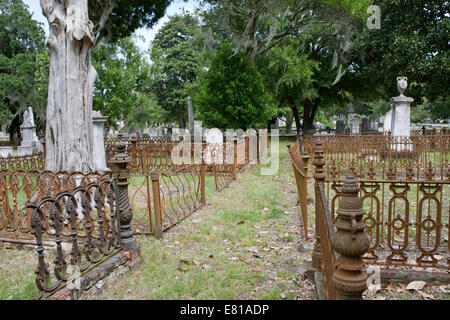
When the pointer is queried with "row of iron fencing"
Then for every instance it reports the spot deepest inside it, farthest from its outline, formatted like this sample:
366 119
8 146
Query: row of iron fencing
406 221
33 161
414 158
74 230
17 188
160 200
340 244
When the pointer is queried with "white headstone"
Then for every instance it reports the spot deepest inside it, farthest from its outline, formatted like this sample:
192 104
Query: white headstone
387 121
30 143
355 125
214 146
98 122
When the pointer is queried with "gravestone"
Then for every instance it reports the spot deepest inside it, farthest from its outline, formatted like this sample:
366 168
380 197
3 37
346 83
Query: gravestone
365 125
191 117
387 121
6 151
98 148
340 126
355 125
3 134
30 143
350 111
153 132
214 146
373 124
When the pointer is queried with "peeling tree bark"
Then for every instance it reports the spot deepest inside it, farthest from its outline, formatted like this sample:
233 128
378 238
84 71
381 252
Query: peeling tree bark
69 131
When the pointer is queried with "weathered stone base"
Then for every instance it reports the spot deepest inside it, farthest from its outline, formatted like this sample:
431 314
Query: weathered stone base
406 276
95 281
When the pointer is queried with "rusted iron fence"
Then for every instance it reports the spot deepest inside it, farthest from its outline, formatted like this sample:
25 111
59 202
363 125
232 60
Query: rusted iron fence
300 167
81 225
162 199
340 244
328 255
34 161
404 188
20 187
382 157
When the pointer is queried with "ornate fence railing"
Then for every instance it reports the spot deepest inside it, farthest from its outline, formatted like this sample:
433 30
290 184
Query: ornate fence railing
21 187
300 167
407 215
34 161
415 158
162 199
328 255
83 226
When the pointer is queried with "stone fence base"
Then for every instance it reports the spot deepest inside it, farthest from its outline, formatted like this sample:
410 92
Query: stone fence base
95 281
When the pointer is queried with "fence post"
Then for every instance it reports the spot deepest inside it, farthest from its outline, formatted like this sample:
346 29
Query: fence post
202 182
235 152
157 205
120 162
319 178
351 242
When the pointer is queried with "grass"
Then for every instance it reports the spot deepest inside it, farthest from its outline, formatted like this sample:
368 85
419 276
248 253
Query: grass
242 245
17 274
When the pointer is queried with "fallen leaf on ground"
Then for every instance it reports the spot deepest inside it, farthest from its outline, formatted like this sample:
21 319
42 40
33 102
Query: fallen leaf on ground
426 296
253 249
241 222
416 285
185 261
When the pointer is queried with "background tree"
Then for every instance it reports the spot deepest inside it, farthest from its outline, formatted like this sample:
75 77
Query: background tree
177 62
75 27
23 65
289 76
231 93
412 42
122 90
322 31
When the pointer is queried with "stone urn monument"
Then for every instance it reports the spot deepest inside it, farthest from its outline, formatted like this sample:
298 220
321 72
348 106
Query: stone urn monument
401 112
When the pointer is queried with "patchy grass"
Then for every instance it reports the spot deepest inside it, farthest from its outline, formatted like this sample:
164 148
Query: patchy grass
244 244
17 274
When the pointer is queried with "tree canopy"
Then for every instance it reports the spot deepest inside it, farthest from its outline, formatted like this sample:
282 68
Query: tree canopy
177 62
231 93
116 19
122 90
23 65
412 42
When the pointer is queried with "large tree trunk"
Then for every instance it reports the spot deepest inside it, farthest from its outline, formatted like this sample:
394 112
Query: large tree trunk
289 120
69 132
309 113
296 118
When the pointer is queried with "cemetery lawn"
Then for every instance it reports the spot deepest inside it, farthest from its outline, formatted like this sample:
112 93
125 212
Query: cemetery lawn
17 274
246 243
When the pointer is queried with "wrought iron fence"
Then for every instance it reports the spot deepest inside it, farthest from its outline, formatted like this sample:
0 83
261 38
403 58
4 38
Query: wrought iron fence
382 157
34 161
83 226
328 255
160 200
407 222
407 212
21 187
